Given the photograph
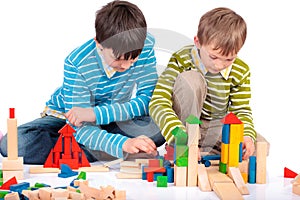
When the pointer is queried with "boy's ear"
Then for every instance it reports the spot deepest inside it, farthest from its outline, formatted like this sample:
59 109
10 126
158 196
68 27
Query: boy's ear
196 42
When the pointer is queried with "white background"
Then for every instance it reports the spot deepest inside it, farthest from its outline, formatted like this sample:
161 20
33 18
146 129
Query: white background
36 36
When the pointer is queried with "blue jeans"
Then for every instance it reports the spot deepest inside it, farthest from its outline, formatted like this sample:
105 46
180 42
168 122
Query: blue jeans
38 137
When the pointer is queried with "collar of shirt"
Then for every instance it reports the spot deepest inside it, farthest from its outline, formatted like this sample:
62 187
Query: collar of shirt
109 71
198 63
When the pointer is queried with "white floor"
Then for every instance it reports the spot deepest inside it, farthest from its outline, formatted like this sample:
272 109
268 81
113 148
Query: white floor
277 187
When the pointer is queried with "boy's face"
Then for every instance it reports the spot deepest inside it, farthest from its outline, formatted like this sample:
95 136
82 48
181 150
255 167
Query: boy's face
212 59
118 64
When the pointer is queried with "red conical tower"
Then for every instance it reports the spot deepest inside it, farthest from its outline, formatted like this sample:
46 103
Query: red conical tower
66 151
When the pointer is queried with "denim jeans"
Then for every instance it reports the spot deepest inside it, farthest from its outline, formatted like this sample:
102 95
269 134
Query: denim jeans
38 137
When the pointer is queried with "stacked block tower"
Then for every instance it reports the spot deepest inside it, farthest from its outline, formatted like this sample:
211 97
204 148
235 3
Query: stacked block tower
12 165
232 140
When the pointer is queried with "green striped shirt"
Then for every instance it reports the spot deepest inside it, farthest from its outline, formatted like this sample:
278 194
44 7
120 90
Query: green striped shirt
224 95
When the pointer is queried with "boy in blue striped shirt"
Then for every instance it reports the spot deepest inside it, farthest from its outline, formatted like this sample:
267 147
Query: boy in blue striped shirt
107 86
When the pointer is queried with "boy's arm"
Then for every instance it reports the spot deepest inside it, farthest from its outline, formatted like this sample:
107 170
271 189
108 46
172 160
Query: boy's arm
160 106
240 96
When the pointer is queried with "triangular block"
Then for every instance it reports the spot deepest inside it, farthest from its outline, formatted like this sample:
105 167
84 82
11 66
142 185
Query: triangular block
231 119
289 173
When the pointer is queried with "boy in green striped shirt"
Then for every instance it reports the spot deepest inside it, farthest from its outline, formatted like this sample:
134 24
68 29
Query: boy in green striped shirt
208 80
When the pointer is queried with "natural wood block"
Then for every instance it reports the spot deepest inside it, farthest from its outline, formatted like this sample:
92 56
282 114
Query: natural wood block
12 139
94 168
215 176
132 164
235 174
192 165
45 193
59 193
121 175
19 174
203 181
41 169
11 165
261 162
180 176
227 191
12 196
296 189
120 194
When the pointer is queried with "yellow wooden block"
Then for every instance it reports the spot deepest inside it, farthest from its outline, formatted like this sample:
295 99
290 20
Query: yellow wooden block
245 176
224 152
236 133
233 157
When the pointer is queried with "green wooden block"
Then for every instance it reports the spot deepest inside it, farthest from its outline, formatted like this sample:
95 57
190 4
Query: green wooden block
192 119
180 136
181 151
162 181
3 193
1 173
1 181
182 162
82 175
222 167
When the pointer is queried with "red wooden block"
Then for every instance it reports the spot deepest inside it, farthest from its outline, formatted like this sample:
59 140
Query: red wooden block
289 173
8 183
231 119
154 169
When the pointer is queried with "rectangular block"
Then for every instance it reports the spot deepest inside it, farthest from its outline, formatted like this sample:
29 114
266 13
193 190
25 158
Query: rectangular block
225 133
224 152
11 165
233 155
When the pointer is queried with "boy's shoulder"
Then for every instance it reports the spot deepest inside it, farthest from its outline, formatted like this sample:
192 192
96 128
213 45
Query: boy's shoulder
149 41
240 65
81 52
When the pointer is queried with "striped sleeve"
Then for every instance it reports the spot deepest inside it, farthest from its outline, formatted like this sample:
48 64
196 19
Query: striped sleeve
240 96
93 137
160 106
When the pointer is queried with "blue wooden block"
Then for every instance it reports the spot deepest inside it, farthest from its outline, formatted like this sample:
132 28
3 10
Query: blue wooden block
225 133
66 171
241 152
252 170
144 174
170 174
19 187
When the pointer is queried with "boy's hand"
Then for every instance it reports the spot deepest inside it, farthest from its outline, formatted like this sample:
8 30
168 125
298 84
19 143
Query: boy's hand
141 143
248 147
77 115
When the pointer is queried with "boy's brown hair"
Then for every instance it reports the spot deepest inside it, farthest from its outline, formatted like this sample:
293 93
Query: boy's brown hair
121 25
223 28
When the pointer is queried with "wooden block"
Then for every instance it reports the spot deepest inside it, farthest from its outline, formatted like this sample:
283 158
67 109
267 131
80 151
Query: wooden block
235 174
132 164
142 161
193 131
192 165
11 165
114 162
12 196
261 162
94 168
224 152
19 174
33 195
296 189
203 182
91 192
12 139
76 195
243 166
78 182
215 176
120 194
41 169
131 170
233 154
236 133
121 175
45 193
227 191
59 193
180 174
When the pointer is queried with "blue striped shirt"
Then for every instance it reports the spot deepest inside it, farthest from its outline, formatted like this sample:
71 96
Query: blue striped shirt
121 97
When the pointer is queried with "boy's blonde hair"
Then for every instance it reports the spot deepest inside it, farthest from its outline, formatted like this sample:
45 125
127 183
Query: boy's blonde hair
224 29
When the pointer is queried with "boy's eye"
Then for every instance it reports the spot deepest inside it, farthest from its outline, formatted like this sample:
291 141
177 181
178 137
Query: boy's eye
213 57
